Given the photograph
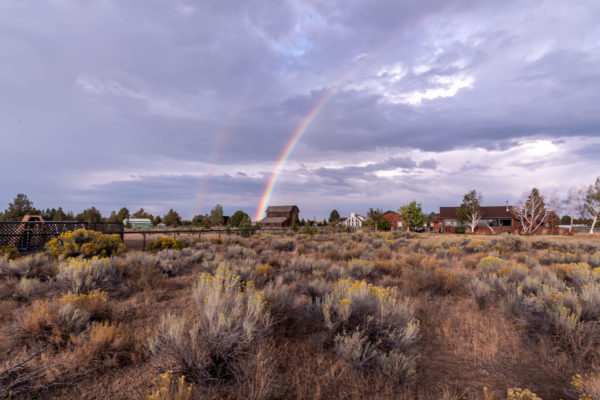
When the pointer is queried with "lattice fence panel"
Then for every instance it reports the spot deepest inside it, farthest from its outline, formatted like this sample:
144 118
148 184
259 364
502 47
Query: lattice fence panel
27 236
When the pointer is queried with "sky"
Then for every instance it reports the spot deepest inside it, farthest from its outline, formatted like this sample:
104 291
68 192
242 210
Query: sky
186 104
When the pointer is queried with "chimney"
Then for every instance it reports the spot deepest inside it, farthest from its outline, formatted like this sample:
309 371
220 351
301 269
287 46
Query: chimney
506 205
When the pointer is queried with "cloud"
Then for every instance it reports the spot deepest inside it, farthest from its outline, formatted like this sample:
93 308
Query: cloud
144 102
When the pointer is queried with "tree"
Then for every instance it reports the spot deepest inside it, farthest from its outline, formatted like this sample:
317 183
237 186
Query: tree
141 213
172 218
469 211
90 215
334 217
592 202
374 217
156 220
533 212
20 207
60 215
238 217
412 214
294 223
113 217
216 215
123 214
574 204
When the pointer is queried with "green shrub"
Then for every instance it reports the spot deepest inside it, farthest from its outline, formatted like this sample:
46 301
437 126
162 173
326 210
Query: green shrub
460 229
165 243
85 243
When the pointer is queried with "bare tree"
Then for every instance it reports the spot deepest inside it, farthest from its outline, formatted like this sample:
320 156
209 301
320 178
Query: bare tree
574 204
470 210
592 202
533 212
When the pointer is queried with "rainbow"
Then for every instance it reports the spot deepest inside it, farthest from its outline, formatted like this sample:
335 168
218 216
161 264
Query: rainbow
219 144
305 124
314 112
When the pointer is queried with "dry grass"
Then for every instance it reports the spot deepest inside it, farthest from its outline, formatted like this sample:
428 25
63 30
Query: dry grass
353 316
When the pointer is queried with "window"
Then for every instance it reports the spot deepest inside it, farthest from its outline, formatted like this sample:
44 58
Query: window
505 222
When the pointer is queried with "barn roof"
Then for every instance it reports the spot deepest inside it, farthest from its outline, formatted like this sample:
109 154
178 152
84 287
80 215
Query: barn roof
273 220
487 212
281 208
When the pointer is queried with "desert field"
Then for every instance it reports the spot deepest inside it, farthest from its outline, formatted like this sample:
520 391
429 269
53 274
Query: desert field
329 316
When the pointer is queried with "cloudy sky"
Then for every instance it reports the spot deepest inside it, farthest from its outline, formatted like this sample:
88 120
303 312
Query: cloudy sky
185 104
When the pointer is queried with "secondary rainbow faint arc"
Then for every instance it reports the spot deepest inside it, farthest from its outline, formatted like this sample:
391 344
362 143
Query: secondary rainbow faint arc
220 141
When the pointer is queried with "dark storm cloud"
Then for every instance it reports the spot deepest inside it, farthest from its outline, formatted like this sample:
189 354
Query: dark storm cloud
96 88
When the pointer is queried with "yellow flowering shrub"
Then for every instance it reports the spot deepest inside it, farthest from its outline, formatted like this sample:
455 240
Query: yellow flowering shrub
165 243
94 303
490 264
168 388
588 386
210 343
82 276
372 325
264 270
521 394
104 345
9 250
85 243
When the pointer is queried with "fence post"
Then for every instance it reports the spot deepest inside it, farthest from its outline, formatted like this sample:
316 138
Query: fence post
144 241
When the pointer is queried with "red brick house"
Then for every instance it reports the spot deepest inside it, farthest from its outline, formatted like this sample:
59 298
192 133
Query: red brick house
395 220
279 216
494 219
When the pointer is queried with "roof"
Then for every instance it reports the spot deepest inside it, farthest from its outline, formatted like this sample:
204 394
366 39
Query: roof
139 220
390 211
487 212
273 220
281 208
342 219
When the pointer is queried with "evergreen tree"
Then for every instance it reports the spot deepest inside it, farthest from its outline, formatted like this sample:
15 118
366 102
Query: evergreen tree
334 217
412 214
20 207
172 218
90 215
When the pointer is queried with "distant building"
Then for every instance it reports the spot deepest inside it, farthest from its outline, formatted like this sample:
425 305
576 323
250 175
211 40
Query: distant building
279 216
395 220
354 220
493 219
137 222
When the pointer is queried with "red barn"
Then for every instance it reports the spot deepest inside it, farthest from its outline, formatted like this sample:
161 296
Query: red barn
395 220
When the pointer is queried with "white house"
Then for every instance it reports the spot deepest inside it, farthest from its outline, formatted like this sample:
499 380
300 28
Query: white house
355 220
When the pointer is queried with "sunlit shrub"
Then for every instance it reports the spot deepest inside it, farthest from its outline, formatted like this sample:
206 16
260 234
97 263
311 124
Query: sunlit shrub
587 386
590 296
82 276
209 345
47 321
95 303
513 273
168 388
85 243
104 345
521 394
165 242
580 274
376 312
490 265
